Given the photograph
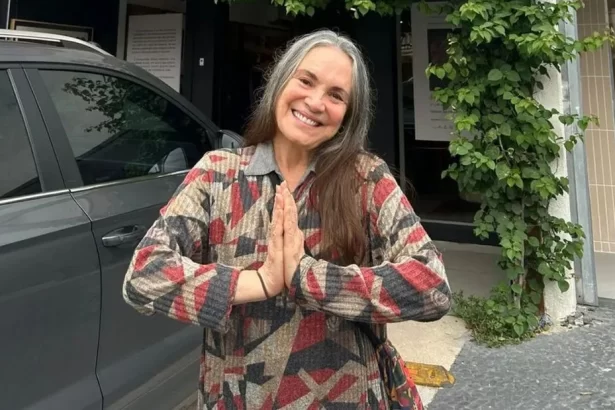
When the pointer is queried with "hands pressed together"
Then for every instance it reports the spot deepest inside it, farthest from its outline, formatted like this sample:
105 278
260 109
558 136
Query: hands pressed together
285 246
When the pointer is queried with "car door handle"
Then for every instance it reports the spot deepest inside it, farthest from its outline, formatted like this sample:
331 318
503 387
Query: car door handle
125 235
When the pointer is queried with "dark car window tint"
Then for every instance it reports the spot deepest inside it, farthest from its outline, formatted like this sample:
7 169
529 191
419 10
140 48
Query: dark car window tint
119 129
18 175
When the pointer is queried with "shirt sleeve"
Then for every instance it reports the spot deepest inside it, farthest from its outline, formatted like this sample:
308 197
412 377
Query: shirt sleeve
407 281
165 275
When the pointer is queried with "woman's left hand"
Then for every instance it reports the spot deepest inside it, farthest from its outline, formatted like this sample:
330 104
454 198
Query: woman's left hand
293 237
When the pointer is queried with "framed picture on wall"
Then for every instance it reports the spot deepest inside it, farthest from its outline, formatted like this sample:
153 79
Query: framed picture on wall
429 34
80 32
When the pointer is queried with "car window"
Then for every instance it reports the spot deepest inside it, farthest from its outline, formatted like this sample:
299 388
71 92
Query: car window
18 174
118 129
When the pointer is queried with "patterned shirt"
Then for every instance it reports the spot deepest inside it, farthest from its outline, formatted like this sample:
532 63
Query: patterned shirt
301 349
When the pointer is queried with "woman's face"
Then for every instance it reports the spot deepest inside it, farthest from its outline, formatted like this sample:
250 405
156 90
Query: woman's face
312 106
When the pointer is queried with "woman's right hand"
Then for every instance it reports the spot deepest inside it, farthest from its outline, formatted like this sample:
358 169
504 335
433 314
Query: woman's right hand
272 270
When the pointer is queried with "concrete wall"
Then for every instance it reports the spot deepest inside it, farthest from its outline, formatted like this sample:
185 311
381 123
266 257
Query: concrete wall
558 305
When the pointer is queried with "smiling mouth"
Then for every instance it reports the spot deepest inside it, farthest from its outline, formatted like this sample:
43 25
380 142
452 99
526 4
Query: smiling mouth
305 119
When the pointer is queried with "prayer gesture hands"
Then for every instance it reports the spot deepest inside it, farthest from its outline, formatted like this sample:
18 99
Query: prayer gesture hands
285 244
293 237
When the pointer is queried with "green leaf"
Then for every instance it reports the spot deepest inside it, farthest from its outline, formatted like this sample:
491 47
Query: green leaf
516 288
517 208
505 129
533 241
310 11
535 297
569 145
440 73
563 285
532 321
513 76
502 170
543 269
534 285
529 173
497 118
566 119
518 329
494 75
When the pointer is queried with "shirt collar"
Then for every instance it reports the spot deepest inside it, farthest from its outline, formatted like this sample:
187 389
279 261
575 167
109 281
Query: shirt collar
263 161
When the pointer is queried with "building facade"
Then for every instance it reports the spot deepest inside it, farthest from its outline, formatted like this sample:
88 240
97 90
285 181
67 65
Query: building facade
223 51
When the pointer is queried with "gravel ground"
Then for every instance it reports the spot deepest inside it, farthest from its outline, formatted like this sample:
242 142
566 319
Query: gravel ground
573 369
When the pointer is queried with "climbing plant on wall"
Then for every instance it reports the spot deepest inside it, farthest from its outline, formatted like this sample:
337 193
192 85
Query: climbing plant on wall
507 145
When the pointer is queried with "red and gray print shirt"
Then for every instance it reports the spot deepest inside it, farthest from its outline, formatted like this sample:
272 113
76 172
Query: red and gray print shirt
301 349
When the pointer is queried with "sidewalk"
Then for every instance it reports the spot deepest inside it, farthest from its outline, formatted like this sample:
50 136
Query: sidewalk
436 343
572 369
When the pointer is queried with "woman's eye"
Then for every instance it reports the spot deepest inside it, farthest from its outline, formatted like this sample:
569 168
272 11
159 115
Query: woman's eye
336 96
305 81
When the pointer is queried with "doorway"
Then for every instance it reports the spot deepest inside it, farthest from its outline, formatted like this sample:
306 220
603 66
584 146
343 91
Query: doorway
426 156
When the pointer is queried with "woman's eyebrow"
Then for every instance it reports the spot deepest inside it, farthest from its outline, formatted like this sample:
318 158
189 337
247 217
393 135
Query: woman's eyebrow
315 78
308 73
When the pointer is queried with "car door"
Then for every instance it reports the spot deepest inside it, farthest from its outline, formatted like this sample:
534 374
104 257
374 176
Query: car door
124 148
49 270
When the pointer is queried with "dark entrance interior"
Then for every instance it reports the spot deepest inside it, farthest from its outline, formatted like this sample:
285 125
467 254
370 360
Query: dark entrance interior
434 198
247 48
251 38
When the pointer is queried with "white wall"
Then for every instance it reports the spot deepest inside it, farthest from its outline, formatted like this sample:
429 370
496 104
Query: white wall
558 305
173 6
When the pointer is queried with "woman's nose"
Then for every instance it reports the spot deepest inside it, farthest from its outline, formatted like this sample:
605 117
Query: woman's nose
314 102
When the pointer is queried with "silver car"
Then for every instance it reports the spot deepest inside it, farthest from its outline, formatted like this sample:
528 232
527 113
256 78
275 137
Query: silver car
91 148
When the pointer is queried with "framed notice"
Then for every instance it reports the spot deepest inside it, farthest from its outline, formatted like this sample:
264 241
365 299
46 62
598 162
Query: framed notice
429 34
155 44
80 32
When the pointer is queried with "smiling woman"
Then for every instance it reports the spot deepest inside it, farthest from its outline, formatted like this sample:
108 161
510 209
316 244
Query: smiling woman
313 104
320 89
294 251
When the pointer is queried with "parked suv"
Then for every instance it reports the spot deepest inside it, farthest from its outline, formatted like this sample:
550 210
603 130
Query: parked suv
91 147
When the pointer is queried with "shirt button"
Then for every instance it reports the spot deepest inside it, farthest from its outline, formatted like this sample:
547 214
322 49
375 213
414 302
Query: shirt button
333 323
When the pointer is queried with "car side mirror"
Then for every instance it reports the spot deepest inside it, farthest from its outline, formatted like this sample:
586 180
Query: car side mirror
230 139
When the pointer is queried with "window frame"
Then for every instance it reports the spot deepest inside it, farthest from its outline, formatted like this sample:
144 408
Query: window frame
67 162
45 162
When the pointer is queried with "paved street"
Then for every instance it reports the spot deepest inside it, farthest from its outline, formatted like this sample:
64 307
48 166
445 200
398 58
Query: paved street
574 369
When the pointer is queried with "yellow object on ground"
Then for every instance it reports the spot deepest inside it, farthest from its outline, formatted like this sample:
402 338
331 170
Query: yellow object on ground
430 375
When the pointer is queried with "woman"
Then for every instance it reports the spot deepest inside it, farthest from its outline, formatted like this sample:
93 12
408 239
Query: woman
281 276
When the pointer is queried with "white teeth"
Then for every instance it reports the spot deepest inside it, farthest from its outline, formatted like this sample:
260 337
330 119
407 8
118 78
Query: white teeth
304 119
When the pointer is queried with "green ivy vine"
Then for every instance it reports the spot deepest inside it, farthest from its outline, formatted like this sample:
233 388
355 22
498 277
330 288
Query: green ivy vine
506 144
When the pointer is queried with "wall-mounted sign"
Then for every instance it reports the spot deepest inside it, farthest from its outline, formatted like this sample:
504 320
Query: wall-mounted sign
80 32
155 44
429 34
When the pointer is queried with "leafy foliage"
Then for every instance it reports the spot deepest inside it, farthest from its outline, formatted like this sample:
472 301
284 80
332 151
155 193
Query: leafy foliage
493 320
507 144
357 7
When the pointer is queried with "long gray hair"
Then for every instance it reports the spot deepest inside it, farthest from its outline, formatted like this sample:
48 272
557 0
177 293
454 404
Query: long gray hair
337 180
353 133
